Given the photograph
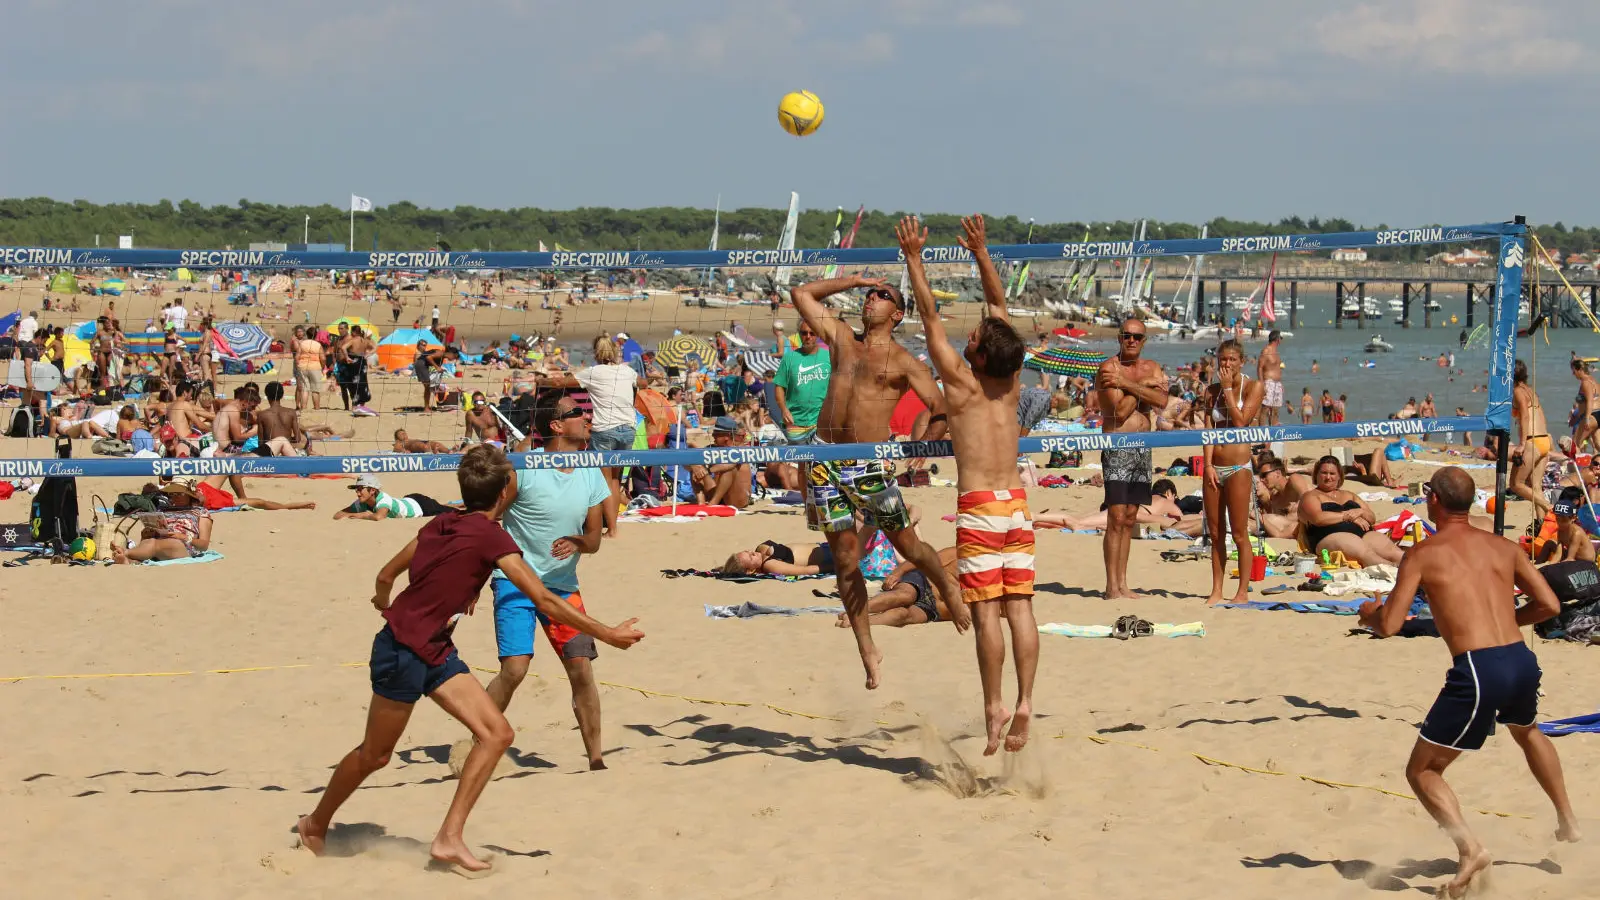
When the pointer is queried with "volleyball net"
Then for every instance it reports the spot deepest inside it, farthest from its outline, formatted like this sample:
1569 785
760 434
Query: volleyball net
1511 238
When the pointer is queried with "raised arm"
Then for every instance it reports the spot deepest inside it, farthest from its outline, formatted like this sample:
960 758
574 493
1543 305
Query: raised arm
945 358
928 390
975 238
808 301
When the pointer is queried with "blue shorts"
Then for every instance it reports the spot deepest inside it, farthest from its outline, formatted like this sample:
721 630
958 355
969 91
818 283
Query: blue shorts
399 674
515 618
619 438
1495 684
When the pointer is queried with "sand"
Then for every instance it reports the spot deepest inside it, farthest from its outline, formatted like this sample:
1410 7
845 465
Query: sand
745 756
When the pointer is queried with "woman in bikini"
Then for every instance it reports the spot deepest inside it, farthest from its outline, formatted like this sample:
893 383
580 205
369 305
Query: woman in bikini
1336 520
1229 489
1527 477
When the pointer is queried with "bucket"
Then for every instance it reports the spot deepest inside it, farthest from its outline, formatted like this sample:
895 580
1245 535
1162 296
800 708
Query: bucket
1258 568
1197 466
1305 567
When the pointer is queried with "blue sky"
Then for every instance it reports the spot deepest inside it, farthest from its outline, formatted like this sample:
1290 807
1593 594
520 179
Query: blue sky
1399 111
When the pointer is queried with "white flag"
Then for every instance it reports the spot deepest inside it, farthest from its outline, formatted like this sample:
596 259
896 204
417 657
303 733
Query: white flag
360 204
542 248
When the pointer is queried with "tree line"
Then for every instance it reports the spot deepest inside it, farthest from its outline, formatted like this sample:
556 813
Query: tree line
41 221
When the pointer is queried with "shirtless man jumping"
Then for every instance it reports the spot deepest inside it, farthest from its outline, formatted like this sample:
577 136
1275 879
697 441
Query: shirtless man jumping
994 533
870 373
1468 574
1269 371
1130 390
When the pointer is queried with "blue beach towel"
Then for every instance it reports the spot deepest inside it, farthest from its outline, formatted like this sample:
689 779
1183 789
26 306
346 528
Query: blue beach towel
208 556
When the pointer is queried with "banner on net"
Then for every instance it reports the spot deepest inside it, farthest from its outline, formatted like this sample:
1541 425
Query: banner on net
669 259
397 463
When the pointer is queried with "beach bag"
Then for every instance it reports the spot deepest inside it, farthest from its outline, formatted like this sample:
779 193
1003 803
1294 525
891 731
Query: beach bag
54 518
880 558
1064 459
1575 583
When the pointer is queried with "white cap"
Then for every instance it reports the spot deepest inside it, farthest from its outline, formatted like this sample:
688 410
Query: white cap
367 480
622 336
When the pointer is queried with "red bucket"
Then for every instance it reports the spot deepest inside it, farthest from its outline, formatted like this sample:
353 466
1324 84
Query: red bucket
1258 568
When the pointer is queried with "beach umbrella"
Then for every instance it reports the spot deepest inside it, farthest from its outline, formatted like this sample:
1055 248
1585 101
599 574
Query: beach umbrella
76 351
676 350
85 330
1070 331
245 340
357 322
183 275
760 362
1065 362
113 286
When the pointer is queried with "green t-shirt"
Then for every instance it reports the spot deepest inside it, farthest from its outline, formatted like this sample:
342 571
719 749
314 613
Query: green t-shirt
804 380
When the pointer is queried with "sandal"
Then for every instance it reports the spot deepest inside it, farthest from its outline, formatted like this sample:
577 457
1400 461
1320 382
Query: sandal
1124 627
1142 628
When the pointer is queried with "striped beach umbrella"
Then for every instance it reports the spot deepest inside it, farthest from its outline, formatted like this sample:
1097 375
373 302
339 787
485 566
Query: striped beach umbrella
354 322
1061 361
760 362
248 341
676 350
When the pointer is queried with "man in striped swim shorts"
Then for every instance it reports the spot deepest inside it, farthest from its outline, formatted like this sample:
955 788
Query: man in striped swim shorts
994 533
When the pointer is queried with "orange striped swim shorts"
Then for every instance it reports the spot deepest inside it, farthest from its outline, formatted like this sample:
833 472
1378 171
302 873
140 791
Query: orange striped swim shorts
994 545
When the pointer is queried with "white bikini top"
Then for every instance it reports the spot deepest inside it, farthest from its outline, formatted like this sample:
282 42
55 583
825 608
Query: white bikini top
1220 416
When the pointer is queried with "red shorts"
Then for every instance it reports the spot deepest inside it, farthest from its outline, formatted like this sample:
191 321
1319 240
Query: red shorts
216 498
994 545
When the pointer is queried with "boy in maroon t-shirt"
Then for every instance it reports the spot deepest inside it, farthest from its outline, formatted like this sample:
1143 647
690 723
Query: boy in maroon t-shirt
449 561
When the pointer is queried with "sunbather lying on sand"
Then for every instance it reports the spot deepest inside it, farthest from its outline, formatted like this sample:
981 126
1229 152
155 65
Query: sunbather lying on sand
906 597
1162 510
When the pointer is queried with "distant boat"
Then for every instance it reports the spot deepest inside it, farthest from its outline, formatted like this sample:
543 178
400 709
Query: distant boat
1376 344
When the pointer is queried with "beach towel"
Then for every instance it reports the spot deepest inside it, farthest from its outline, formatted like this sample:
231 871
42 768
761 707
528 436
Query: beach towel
1586 724
1378 579
684 510
751 610
208 556
1398 526
742 578
1333 607
1065 629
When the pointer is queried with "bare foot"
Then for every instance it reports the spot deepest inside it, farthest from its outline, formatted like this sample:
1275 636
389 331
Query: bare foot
454 853
1568 831
311 837
597 765
871 660
1473 862
1017 738
1215 598
1128 594
995 718
844 621
1243 596
119 556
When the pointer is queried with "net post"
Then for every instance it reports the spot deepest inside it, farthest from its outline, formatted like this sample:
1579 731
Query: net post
1503 355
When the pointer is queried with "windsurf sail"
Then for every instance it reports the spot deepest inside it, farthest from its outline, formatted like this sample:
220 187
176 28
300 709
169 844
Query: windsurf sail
786 240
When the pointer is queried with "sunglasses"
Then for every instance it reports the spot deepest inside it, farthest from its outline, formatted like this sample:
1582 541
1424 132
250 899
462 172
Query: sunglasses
882 294
1130 336
574 413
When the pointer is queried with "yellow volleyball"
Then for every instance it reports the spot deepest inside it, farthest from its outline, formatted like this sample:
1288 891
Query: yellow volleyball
800 113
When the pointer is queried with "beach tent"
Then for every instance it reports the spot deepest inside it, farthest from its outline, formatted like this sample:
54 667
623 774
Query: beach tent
358 322
184 275
112 286
63 283
396 351
8 320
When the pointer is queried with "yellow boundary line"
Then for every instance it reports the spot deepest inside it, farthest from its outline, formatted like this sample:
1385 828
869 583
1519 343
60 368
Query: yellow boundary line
646 692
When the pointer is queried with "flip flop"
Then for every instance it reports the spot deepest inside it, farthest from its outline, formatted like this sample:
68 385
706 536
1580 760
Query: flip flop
1278 589
1142 628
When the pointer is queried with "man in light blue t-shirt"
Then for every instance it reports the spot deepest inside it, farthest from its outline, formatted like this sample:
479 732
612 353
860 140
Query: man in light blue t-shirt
558 515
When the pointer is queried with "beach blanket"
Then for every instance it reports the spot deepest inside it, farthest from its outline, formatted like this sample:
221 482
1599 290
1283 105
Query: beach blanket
741 578
1066 629
751 610
683 511
1585 724
1333 607
208 556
